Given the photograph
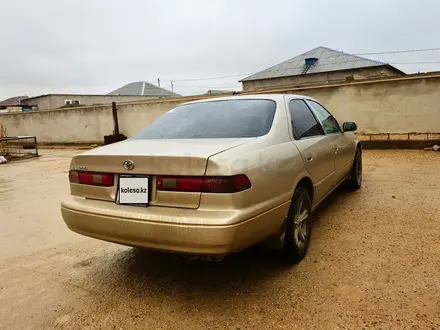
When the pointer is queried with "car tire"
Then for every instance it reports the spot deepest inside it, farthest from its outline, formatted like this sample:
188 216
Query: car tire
354 180
298 226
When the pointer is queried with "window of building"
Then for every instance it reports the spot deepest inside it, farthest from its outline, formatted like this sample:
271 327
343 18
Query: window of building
71 102
304 123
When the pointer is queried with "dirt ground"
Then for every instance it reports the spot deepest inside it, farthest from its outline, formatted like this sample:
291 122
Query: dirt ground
374 262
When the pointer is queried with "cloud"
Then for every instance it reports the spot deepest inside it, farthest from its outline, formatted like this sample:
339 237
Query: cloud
83 46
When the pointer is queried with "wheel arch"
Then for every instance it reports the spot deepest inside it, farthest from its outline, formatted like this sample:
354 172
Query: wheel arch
307 183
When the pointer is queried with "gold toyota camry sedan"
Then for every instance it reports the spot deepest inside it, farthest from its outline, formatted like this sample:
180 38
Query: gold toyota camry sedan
216 176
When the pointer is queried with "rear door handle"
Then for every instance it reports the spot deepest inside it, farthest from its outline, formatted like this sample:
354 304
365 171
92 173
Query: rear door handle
309 158
336 148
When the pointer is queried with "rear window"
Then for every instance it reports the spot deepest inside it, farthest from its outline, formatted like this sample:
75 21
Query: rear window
215 119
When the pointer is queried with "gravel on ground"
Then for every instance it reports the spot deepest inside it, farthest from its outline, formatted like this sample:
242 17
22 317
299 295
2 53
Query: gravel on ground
373 262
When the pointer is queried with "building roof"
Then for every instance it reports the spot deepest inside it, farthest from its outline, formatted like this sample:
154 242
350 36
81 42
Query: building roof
142 88
327 60
12 101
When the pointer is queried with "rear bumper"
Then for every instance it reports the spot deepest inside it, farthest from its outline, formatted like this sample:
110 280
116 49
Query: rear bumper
170 229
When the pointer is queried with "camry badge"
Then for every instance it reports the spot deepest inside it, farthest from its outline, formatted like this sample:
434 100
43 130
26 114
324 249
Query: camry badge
128 165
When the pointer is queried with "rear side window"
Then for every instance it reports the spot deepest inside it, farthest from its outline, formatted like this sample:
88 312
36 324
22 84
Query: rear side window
304 123
215 119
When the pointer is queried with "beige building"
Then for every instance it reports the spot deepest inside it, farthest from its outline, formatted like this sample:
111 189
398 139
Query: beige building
136 91
56 101
319 65
14 104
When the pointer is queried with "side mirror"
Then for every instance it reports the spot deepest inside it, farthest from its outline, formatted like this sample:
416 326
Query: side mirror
349 126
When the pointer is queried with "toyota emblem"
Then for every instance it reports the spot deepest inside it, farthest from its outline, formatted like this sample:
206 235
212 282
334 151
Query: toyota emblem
128 165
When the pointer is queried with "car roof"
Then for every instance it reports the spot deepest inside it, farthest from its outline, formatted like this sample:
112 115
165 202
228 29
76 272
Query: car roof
274 97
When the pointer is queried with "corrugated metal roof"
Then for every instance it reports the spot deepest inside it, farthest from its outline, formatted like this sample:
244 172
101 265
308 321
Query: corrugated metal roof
328 60
142 88
13 101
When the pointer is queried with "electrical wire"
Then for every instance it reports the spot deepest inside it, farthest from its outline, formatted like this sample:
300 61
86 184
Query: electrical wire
213 87
400 51
369 53
301 66
434 62
212 78
250 73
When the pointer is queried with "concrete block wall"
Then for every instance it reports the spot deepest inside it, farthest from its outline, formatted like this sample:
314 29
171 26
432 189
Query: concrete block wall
80 125
86 124
399 137
134 117
396 110
394 106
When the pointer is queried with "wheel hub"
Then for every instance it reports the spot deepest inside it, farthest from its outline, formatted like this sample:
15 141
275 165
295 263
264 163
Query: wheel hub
300 228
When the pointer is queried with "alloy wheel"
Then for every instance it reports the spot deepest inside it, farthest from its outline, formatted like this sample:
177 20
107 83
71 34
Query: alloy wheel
359 170
300 225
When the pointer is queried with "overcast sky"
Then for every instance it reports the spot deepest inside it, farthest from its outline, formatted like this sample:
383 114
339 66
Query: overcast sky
96 46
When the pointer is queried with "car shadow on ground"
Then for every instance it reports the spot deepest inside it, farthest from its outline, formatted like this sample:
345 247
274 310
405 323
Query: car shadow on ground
137 269
337 197
137 273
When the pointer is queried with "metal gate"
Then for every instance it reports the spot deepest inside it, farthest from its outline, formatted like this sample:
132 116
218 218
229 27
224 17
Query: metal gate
18 147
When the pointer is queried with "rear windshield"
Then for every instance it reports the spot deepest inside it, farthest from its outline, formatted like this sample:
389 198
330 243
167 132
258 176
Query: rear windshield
215 119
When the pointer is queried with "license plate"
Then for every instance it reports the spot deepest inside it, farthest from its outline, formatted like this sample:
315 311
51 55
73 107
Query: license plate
133 190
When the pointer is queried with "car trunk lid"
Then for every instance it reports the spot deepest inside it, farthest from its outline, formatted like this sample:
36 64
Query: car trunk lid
185 157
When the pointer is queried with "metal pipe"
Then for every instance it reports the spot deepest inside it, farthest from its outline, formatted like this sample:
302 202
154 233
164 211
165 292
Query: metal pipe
115 119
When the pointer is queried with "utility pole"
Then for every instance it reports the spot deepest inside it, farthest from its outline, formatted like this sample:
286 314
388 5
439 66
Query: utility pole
172 86
158 82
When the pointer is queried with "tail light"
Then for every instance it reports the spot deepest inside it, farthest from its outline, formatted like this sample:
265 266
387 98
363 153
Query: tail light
214 184
92 178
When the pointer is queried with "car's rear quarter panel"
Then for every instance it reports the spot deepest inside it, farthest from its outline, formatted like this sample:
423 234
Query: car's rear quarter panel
274 166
